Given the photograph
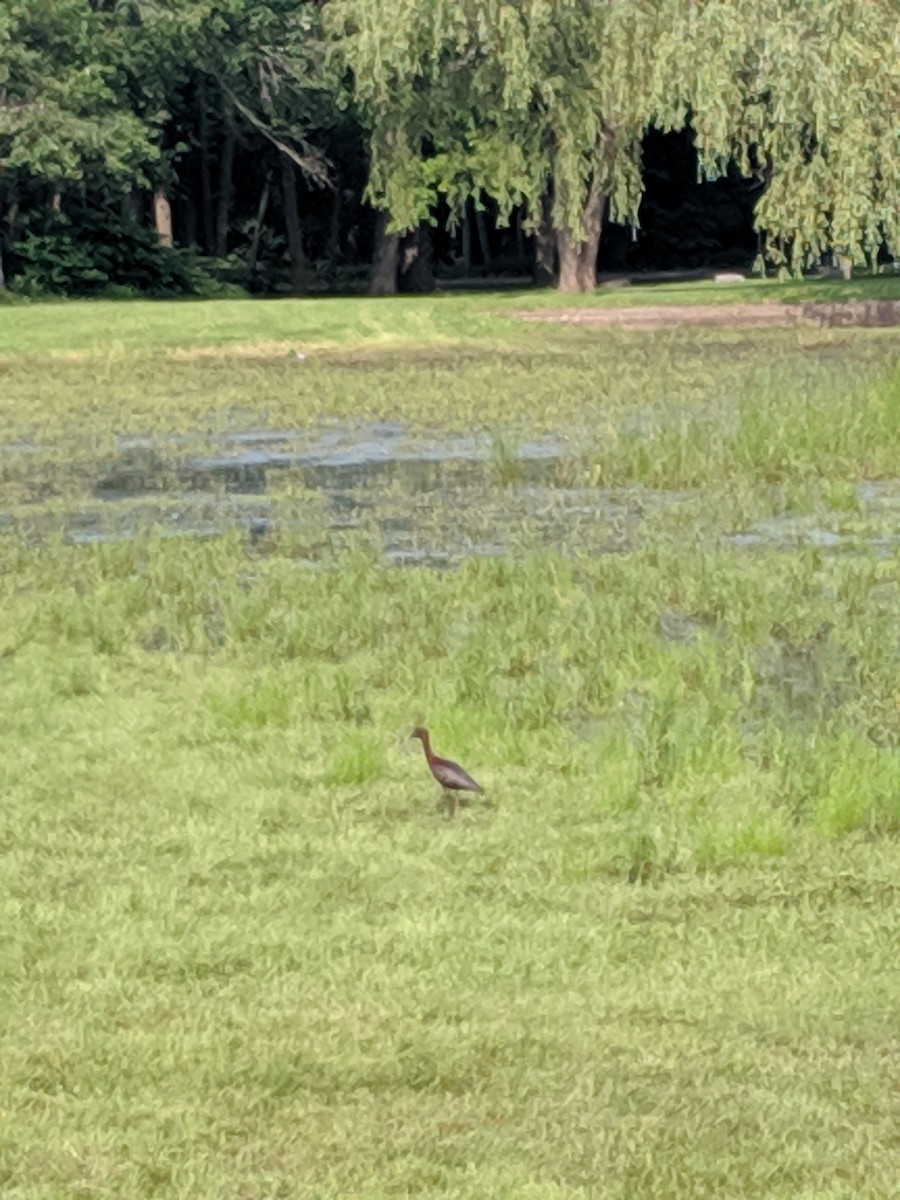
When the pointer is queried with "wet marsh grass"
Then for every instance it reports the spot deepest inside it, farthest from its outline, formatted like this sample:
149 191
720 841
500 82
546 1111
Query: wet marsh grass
662 411
245 954
234 911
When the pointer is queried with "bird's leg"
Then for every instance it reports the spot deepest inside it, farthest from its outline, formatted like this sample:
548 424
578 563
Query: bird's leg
450 803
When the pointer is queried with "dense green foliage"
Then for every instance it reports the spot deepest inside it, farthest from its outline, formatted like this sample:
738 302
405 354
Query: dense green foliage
97 251
257 133
243 952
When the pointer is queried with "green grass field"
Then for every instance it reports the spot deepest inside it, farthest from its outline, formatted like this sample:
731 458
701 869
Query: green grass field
245 955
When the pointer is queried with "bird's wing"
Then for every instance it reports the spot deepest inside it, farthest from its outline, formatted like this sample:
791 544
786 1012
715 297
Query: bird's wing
451 775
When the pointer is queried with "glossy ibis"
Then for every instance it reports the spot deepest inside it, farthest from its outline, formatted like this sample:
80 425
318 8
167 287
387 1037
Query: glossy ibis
449 775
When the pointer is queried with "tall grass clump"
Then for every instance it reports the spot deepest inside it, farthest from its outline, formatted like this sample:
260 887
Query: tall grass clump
832 432
775 675
767 427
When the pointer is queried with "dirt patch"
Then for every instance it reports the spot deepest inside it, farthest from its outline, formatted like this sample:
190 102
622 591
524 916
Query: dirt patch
872 313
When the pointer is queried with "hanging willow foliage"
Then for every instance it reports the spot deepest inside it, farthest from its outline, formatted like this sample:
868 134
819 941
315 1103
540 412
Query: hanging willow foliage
491 97
816 106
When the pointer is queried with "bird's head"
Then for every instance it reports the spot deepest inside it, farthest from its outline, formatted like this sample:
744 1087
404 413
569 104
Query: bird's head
420 732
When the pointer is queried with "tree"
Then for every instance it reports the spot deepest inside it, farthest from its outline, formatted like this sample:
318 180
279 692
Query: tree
235 72
526 102
395 69
212 115
64 116
545 102
808 96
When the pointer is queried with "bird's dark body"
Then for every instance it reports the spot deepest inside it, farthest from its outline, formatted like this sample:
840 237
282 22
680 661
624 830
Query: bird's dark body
449 775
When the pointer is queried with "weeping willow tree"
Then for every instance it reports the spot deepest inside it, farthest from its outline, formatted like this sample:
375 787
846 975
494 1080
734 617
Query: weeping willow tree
540 103
810 95
544 103
387 60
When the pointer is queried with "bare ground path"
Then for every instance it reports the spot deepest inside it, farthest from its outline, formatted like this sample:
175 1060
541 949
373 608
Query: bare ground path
872 313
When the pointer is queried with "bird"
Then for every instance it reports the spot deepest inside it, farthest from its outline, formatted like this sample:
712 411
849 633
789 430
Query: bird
449 775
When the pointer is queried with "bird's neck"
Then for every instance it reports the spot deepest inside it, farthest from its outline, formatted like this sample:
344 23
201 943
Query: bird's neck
426 746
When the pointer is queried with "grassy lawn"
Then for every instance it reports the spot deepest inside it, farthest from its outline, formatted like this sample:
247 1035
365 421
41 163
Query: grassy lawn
244 953
112 328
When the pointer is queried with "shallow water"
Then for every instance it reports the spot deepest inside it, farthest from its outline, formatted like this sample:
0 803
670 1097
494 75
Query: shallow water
432 499
879 504
330 459
436 526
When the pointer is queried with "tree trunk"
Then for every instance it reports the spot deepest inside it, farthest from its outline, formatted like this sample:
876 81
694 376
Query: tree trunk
383 281
592 222
189 236
258 226
206 196
568 253
334 224
226 187
484 244
465 239
162 217
292 224
520 240
544 269
416 264
578 258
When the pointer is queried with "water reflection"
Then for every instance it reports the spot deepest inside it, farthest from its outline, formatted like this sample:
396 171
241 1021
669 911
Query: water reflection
425 499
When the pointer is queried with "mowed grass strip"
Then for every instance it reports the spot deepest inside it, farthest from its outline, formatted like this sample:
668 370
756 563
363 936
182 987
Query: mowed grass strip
115 327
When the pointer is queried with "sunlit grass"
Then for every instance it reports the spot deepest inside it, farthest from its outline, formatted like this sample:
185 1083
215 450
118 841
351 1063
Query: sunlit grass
246 953
233 905
113 329
686 675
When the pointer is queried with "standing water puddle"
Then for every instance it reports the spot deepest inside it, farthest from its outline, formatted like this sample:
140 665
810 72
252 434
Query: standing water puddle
877 502
337 458
433 499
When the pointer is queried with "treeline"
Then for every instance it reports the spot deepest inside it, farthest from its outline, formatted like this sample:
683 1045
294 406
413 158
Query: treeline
189 145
